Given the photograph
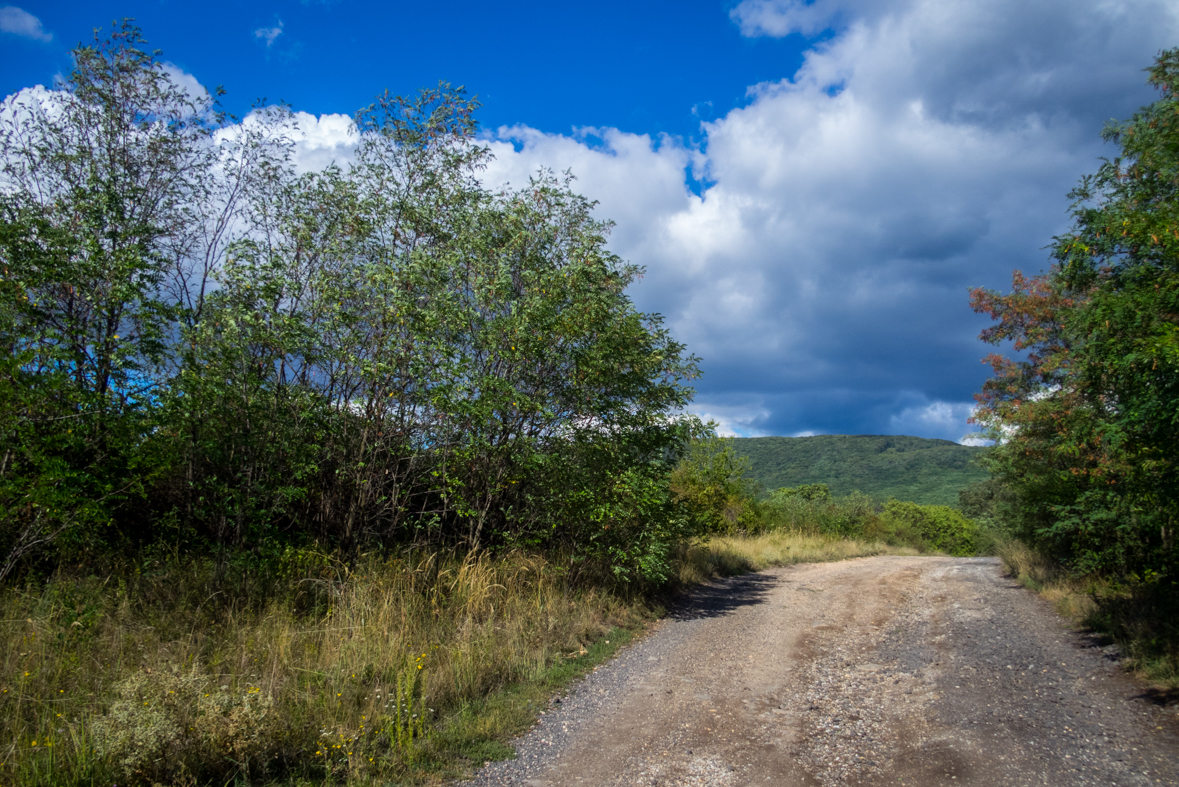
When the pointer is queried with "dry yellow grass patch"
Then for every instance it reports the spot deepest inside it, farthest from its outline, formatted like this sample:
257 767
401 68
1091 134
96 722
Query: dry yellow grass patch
734 554
390 669
1071 596
336 675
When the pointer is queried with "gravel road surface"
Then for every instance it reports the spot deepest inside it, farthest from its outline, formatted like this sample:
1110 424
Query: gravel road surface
883 670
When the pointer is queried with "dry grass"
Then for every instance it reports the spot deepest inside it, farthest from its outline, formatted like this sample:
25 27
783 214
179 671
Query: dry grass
340 679
1028 567
725 556
401 670
1141 617
1071 596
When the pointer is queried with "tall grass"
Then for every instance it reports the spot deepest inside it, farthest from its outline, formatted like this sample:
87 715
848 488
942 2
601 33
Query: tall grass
332 674
729 555
312 670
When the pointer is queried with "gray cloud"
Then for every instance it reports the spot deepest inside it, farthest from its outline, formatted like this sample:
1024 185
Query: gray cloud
924 147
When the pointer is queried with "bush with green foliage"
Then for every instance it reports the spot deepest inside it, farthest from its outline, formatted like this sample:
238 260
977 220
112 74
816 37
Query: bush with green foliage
711 487
940 527
1088 421
808 492
811 509
205 348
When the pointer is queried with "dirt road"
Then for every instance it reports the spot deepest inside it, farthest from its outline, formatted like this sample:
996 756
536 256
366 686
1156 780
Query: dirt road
885 670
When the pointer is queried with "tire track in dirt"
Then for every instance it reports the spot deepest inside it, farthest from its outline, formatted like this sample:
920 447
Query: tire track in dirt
885 670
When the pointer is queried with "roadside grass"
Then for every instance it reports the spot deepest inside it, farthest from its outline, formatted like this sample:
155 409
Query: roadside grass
1141 617
404 670
729 555
398 670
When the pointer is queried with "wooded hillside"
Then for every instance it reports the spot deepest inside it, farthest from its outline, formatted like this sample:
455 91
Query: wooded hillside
908 468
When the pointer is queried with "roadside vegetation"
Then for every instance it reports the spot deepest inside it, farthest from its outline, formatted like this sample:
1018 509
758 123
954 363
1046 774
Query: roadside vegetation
335 477
331 477
322 670
404 665
1086 466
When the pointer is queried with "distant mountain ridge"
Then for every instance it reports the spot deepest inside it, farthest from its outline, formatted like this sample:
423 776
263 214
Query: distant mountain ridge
908 468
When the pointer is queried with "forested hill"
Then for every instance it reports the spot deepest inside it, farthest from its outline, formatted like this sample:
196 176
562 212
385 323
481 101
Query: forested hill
908 468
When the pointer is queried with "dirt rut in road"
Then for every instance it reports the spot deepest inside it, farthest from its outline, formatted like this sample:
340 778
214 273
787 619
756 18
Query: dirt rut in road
885 670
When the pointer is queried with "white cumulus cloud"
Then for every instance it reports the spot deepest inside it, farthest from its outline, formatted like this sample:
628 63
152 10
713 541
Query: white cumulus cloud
923 148
187 83
322 140
936 419
817 247
742 419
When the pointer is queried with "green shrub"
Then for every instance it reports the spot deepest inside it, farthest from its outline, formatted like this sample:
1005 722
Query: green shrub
711 488
809 492
940 527
810 509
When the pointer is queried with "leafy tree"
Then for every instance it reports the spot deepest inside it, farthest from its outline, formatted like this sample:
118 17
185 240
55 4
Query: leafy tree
988 502
810 508
101 185
820 493
207 348
1088 421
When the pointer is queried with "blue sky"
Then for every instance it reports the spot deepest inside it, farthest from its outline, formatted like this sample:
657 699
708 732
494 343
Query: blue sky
552 66
812 187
